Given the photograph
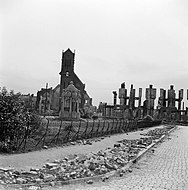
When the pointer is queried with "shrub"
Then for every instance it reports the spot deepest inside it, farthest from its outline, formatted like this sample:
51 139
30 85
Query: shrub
15 120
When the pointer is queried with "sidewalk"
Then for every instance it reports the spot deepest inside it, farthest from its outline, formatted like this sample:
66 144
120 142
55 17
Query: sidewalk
37 159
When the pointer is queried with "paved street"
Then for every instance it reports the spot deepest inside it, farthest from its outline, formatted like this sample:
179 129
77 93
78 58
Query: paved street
166 168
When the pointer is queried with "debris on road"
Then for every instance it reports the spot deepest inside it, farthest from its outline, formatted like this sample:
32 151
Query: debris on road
81 166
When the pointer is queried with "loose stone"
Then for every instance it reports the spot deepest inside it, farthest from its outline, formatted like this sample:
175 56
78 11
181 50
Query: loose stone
89 182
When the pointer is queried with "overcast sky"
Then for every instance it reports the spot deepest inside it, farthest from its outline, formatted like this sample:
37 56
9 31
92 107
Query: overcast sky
138 42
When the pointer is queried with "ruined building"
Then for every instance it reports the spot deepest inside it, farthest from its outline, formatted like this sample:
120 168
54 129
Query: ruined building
67 74
70 101
44 99
169 105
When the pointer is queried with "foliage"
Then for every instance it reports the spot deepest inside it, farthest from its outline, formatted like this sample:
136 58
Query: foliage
15 120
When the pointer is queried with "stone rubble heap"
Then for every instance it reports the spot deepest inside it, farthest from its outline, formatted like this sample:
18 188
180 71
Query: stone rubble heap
158 132
82 166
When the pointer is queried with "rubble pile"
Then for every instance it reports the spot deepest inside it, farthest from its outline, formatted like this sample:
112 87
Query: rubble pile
81 166
158 132
72 167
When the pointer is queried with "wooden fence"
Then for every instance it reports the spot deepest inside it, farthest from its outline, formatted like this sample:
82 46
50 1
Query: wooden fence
51 133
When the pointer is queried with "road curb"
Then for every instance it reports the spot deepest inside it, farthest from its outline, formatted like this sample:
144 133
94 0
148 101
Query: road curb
141 153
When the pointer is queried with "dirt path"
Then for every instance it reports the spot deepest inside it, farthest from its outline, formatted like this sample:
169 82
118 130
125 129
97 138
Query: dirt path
37 159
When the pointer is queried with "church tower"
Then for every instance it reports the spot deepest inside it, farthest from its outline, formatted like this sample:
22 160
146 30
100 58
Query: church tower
67 75
67 68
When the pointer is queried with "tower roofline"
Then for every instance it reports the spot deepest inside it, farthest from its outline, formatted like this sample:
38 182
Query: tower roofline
69 50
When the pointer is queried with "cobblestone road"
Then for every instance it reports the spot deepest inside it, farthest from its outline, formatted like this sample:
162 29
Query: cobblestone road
165 168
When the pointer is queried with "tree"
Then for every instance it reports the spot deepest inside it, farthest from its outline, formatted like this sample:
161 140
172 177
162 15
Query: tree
15 120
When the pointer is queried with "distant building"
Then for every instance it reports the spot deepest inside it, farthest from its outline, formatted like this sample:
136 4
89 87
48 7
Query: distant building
44 99
53 100
70 101
67 75
56 98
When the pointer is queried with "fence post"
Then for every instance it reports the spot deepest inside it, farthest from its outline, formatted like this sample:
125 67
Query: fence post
77 136
96 132
84 133
90 135
114 126
45 133
108 128
112 129
102 130
136 125
126 126
132 126
68 134
58 132
120 126
117 124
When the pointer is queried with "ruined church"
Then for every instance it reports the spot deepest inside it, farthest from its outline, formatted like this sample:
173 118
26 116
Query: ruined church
67 77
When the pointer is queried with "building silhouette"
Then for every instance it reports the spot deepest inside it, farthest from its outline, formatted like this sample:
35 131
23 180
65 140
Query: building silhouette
67 74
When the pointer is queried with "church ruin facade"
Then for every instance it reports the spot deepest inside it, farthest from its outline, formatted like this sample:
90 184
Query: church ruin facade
67 77
68 74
